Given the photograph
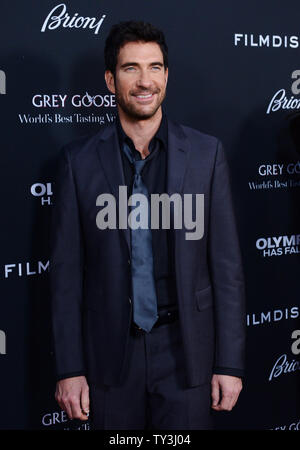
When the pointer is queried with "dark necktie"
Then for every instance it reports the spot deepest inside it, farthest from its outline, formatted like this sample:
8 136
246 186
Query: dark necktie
143 285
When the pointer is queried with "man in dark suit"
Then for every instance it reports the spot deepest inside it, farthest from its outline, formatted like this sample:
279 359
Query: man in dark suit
149 324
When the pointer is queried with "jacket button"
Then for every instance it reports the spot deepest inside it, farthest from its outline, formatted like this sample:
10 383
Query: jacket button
129 262
129 299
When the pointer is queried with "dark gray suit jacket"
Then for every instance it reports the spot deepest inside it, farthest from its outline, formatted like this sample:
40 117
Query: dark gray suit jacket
90 268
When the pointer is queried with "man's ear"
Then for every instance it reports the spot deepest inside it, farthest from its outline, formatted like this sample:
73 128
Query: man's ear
110 81
166 75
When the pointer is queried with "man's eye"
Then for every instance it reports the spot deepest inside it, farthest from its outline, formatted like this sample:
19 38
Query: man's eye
130 69
156 68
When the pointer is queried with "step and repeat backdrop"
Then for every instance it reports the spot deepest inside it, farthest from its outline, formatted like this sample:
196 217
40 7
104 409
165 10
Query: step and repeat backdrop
235 74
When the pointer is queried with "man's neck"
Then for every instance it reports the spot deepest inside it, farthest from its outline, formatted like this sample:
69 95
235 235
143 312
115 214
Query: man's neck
141 131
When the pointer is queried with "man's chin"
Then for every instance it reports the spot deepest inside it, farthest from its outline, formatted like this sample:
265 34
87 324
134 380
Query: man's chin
139 114
142 116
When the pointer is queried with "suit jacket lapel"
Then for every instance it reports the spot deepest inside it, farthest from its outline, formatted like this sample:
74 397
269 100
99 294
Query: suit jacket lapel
178 153
178 147
111 162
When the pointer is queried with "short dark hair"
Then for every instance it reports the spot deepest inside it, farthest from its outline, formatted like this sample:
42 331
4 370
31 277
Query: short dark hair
131 31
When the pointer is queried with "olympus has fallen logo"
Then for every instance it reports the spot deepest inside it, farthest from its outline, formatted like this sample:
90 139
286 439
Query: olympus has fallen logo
278 245
153 211
285 364
283 100
43 192
59 17
2 82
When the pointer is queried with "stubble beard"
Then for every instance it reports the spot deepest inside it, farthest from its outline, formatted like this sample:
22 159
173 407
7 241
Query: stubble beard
131 111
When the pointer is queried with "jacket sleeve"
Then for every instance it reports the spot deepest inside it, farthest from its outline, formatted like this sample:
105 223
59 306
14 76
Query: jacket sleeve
226 271
66 272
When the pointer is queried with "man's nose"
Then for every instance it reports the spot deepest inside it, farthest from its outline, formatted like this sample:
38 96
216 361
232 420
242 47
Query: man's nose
144 79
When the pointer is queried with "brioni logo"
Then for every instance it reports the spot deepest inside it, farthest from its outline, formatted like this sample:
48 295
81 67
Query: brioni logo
58 16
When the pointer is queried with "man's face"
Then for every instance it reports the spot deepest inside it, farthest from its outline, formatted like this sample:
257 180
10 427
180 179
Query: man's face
140 80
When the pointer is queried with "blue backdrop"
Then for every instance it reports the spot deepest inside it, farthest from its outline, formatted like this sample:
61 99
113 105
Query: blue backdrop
234 73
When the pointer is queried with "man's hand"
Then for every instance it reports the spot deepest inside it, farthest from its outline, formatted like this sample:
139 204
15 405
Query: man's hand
72 395
225 391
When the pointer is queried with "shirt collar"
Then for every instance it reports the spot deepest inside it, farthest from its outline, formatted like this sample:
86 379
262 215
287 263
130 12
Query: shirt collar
161 134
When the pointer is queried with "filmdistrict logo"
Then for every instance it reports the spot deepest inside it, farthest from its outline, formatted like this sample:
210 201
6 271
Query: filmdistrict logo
25 269
265 40
272 316
146 214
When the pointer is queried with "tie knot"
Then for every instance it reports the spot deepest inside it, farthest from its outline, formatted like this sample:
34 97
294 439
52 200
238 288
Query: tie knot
138 163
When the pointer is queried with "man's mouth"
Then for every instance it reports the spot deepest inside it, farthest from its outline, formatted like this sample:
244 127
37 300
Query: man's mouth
144 95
